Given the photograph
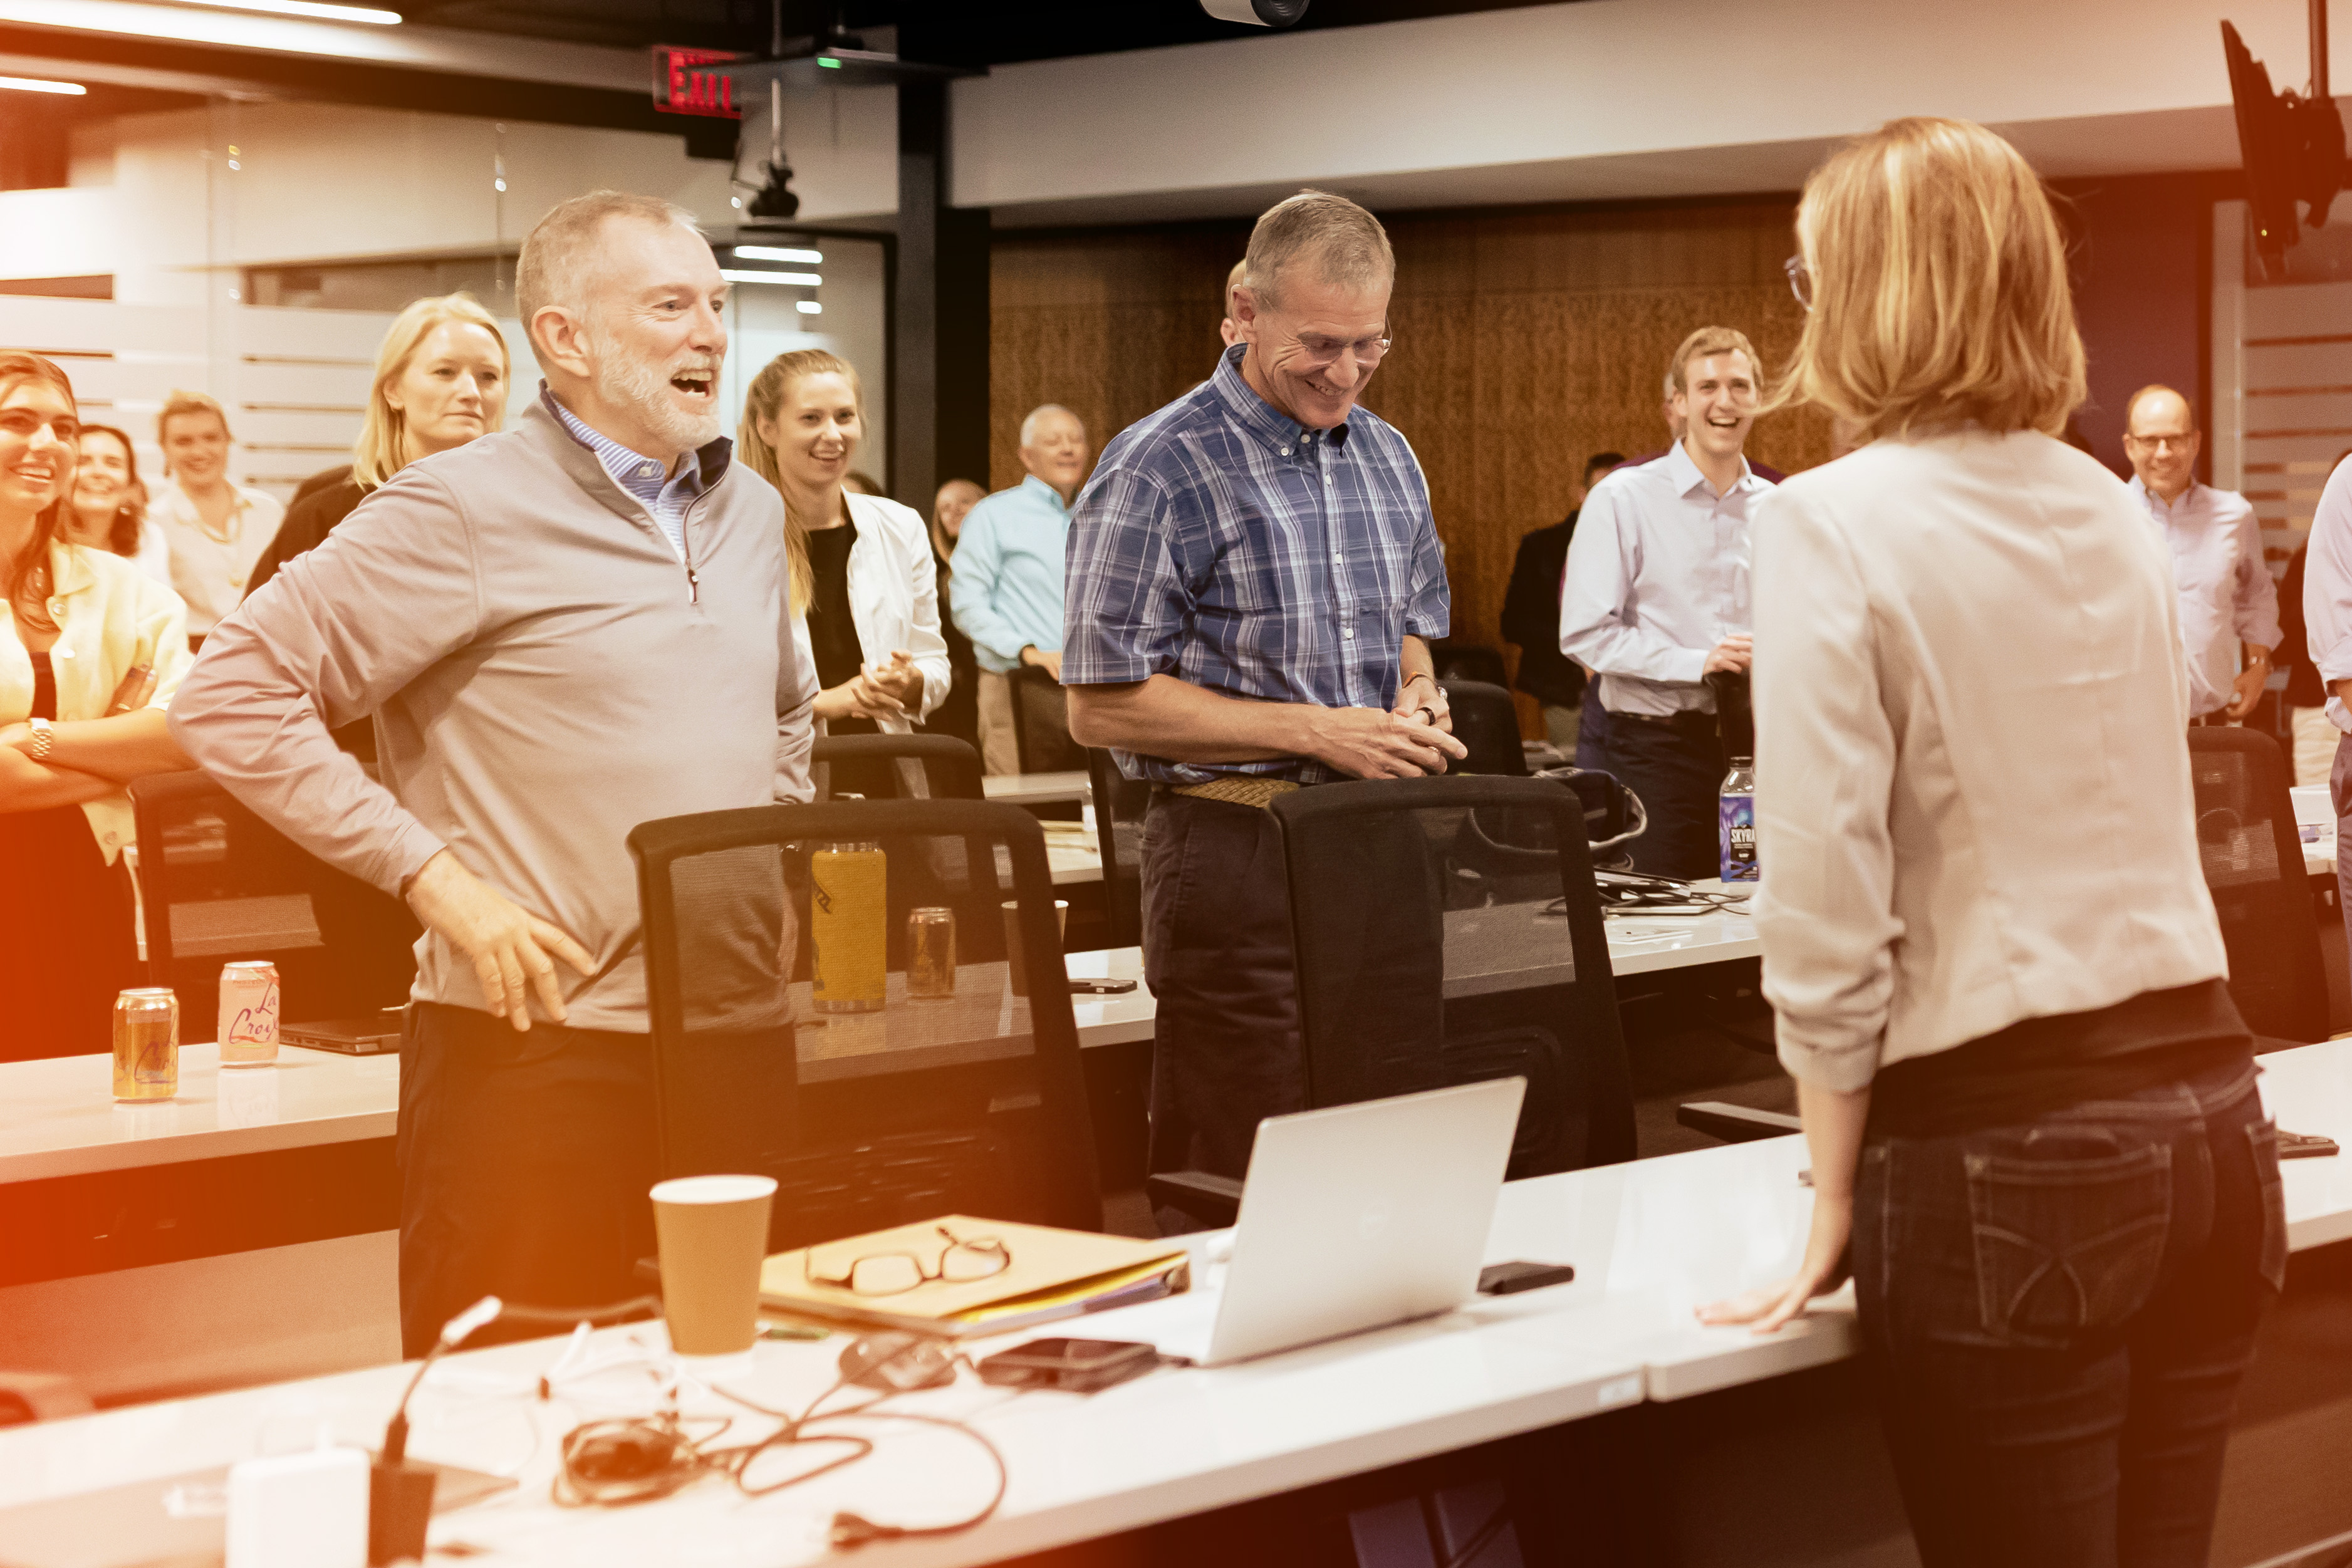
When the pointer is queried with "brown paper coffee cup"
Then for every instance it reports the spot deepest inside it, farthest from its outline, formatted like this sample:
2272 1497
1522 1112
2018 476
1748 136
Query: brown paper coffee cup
713 1233
1012 939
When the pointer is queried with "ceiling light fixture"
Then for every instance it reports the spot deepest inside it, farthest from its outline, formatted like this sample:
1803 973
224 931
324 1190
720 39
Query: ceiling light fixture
33 84
311 9
777 253
809 308
741 274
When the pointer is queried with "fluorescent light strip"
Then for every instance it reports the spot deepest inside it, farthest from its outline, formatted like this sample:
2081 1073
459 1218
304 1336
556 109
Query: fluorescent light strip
810 308
799 279
311 9
33 84
777 253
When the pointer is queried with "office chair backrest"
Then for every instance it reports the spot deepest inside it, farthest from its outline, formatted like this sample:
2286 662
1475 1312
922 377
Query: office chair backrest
2252 853
895 767
973 1103
1041 723
1121 803
1446 930
216 883
1486 721
1469 661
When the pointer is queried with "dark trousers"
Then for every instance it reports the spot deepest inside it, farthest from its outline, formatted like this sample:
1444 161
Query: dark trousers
1676 766
1216 953
2056 1316
1592 734
525 1162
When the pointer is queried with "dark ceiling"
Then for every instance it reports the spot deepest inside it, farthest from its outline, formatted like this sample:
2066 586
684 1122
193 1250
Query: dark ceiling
960 31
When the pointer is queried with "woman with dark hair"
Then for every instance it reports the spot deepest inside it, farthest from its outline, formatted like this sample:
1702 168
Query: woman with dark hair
110 503
94 649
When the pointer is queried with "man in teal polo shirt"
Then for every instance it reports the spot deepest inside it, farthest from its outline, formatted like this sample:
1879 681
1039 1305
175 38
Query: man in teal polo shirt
1007 594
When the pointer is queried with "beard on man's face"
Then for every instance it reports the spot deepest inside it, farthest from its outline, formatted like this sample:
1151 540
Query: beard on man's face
628 381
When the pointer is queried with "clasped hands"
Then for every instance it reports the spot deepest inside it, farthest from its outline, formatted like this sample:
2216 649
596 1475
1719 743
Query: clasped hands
877 691
1411 740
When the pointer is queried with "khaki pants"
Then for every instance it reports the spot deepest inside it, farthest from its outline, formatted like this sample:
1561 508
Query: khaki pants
2314 744
999 753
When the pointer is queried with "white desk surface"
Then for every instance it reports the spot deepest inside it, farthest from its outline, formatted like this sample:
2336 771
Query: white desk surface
58 1117
2319 851
1038 789
1650 1242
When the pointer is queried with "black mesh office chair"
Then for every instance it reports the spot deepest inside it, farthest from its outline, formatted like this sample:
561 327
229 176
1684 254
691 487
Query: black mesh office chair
1121 803
1041 723
906 767
974 1103
1486 722
2253 866
1447 931
1469 661
216 883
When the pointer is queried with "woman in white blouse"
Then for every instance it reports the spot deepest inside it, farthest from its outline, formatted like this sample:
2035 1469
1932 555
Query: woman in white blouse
1999 983
865 593
217 529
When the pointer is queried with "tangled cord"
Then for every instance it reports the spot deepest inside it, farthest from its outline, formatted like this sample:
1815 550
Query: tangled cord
619 1461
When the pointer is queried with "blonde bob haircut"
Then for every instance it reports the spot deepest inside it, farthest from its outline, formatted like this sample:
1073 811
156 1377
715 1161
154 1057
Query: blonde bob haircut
761 402
381 449
1939 292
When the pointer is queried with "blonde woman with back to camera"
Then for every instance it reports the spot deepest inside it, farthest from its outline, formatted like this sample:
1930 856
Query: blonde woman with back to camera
865 592
2028 1098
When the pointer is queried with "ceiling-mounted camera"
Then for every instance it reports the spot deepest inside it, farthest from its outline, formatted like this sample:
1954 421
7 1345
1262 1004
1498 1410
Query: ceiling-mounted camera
1257 13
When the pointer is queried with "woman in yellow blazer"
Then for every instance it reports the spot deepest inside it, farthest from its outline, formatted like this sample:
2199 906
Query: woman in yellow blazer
93 651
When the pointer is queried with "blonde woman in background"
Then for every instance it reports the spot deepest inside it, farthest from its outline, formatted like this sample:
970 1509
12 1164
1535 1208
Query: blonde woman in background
865 593
1999 979
110 503
92 650
215 529
441 380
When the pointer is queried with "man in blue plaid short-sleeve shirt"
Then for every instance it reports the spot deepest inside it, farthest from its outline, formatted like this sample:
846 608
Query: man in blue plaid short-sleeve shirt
1253 579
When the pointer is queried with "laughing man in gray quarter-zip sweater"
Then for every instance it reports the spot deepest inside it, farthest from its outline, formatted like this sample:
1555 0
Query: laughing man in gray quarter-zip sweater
562 630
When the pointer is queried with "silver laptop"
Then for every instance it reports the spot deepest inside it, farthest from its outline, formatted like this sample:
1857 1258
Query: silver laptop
1353 1218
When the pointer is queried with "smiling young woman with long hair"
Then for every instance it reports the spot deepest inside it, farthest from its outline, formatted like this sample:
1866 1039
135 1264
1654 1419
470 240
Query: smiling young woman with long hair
110 503
1999 979
94 649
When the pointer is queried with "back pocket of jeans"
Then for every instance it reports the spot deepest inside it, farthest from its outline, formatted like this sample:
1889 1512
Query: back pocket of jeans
2263 1137
2066 1244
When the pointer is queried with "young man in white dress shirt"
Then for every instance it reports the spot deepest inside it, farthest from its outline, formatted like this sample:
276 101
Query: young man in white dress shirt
2215 544
1656 599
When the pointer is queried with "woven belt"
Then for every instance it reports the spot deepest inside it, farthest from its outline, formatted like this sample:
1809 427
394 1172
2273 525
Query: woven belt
1238 792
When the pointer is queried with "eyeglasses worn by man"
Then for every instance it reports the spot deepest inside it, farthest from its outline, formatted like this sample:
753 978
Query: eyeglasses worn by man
1253 580
563 630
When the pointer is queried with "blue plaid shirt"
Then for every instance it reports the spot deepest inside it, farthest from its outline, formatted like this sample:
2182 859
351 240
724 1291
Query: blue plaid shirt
1224 544
663 495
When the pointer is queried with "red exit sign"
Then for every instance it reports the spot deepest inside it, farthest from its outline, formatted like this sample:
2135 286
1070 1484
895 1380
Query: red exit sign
682 87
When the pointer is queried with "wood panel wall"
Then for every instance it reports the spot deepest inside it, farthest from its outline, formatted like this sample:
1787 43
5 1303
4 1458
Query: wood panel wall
1525 342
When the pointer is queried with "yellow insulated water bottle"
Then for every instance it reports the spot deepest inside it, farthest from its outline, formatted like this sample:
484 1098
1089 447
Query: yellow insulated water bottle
849 895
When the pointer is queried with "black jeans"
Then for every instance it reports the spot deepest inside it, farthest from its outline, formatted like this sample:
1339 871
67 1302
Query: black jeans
2057 1315
525 1163
1217 955
1677 767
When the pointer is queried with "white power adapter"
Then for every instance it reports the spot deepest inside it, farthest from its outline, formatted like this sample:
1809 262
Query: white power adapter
300 1510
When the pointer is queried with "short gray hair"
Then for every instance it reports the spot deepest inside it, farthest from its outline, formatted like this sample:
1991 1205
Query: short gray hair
1346 243
552 269
1029 426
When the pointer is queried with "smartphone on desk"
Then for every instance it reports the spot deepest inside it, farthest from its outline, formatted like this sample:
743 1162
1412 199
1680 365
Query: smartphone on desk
1101 988
1074 1365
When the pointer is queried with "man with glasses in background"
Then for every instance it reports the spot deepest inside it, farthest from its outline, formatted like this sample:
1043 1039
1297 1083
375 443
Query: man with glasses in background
1656 599
2215 546
1254 578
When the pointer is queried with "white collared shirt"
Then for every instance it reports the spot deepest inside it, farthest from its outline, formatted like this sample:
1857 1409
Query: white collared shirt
210 574
1657 575
2328 589
2226 593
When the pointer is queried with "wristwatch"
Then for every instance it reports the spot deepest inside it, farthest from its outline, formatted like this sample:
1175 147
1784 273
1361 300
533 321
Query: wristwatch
45 740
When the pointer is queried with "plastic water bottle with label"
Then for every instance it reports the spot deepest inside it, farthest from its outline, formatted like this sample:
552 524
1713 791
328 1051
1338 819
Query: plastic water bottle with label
1737 807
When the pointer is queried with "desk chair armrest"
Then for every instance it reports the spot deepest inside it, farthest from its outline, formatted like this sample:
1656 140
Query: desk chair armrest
1215 1200
1735 1123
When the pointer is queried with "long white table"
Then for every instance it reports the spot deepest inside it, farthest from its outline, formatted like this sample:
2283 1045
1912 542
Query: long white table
1649 1241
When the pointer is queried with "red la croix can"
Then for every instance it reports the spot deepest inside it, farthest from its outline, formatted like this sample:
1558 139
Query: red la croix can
248 1014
